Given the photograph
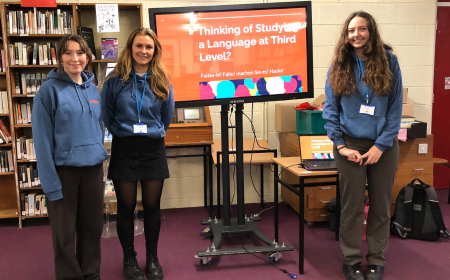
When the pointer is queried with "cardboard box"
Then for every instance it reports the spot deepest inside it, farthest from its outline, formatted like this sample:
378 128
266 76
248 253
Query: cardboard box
285 119
408 109
285 115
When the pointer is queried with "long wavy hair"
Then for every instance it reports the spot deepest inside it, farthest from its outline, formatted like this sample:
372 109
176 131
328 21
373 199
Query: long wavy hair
159 80
377 73
62 48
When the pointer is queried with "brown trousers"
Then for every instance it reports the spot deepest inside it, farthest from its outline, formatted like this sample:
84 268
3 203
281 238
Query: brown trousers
77 223
353 178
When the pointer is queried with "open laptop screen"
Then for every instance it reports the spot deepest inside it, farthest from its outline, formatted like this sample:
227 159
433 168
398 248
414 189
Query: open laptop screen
316 147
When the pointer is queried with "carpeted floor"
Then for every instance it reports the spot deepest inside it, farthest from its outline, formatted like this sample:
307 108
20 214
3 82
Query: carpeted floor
27 253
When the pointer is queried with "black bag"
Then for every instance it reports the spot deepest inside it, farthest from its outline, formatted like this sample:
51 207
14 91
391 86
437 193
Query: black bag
417 213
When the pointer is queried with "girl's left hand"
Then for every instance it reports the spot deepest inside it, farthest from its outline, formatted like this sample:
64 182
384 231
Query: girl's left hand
372 156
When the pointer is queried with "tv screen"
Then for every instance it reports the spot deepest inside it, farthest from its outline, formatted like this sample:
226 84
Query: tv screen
219 55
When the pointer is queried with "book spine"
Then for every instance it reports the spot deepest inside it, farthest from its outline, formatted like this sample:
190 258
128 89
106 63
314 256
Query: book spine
24 54
27 25
11 54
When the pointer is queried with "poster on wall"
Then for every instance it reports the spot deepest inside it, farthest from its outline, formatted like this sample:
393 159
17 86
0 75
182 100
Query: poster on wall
107 17
447 82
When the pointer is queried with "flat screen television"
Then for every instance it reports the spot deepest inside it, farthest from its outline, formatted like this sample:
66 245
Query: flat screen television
226 54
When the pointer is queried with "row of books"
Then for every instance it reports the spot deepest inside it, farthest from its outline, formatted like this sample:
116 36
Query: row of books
2 61
25 148
39 22
6 161
5 133
28 176
23 113
28 83
4 108
33 204
36 54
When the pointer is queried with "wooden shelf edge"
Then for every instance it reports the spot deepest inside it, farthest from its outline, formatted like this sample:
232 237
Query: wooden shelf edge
33 66
104 61
30 188
6 173
6 145
22 125
8 213
34 217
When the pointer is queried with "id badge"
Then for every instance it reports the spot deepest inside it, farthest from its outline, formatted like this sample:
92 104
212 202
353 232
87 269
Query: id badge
367 109
140 128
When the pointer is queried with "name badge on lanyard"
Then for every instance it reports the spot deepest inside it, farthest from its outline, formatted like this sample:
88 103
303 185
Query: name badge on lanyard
366 109
139 127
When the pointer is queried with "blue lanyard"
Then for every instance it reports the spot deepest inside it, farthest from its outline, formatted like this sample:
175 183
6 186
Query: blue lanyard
139 107
362 70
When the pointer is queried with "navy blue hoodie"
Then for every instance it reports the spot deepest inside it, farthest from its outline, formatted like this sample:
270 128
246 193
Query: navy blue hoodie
67 128
342 113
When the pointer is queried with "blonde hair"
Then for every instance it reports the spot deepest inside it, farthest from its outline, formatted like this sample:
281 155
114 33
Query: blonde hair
377 74
159 80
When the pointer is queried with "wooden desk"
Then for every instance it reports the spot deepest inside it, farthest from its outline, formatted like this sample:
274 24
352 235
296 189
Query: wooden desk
253 154
292 164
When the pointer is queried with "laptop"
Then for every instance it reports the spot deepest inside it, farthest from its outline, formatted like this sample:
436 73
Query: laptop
316 152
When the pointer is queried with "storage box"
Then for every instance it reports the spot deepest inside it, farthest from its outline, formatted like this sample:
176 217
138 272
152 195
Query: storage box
285 117
417 130
310 122
407 109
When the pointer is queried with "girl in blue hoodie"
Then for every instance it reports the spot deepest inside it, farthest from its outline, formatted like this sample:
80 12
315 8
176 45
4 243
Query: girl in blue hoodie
68 139
137 107
362 110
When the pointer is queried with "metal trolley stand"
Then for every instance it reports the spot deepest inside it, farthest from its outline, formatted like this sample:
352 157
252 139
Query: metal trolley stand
241 224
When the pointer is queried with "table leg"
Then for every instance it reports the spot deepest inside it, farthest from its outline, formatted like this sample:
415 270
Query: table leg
210 178
262 185
301 229
338 208
205 183
275 193
218 190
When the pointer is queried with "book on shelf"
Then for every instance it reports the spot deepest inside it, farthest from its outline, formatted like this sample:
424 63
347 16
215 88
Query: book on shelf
110 48
38 21
4 102
88 34
4 128
25 148
32 203
22 204
2 57
6 161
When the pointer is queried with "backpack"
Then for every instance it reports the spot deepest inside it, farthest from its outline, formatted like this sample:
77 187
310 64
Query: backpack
417 213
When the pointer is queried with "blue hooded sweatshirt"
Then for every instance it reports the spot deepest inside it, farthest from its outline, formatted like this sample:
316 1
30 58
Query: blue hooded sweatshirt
342 113
67 129
119 108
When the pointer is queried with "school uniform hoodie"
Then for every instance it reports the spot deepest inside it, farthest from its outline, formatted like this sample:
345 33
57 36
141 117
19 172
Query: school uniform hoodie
67 128
119 108
342 113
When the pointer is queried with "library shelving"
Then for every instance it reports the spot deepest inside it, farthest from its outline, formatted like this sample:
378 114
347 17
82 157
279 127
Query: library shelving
26 66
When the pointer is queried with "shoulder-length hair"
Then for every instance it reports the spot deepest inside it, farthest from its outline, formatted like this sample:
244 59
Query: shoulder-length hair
377 73
159 81
62 48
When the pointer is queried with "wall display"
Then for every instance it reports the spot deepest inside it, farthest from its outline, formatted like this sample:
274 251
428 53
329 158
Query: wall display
235 54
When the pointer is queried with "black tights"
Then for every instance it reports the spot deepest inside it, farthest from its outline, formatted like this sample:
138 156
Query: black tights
126 192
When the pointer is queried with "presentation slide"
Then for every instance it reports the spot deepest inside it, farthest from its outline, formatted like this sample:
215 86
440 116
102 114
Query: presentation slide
316 147
212 55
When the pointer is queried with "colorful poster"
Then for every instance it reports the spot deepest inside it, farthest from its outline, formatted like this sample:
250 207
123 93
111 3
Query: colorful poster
212 55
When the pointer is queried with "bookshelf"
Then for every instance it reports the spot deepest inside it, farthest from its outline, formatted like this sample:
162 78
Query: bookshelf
8 191
131 17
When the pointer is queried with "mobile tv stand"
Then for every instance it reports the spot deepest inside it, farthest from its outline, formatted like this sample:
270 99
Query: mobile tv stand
241 224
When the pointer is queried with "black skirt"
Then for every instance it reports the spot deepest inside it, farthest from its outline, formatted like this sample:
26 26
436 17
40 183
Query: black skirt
138 158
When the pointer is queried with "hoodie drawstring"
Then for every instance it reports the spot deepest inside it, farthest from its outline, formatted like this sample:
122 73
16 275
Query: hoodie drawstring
87 99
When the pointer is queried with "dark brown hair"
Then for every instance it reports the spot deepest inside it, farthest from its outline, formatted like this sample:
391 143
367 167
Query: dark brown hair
62 48
377 73
159 80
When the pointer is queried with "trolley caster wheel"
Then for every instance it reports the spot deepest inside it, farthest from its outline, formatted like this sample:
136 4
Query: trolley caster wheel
273 260
275 257
310 224
209 235
205 264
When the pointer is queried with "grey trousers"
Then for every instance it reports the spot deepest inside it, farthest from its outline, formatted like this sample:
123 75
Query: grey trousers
77 223
353 178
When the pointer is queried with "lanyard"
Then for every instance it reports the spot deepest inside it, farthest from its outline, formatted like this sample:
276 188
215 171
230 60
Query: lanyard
362 70
139 107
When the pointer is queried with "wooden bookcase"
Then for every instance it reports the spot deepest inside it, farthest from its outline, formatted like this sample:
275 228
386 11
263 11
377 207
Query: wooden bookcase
131 17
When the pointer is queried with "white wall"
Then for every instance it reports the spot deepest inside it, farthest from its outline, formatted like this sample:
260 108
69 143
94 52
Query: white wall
407 25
